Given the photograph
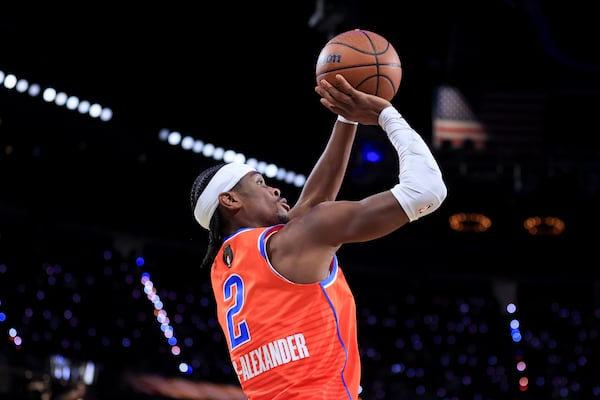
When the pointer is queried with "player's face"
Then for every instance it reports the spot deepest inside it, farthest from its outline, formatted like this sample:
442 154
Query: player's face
263 202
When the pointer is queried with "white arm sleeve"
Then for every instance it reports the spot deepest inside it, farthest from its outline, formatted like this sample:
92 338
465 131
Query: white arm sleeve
421 189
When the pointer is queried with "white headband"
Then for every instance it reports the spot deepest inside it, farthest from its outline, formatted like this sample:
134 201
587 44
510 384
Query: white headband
225 178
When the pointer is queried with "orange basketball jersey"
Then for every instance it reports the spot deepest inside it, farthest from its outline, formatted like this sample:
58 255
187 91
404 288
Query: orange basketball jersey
286 341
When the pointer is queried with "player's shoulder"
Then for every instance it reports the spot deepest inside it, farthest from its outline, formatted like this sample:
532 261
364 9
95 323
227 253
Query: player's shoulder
251 233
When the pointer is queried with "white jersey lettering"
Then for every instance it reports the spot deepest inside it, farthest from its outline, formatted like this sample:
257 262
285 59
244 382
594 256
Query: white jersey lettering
271 355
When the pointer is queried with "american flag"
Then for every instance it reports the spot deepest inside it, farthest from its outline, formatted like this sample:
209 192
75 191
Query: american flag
453 120
509 119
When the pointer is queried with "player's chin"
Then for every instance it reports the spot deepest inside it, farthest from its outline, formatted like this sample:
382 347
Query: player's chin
283 217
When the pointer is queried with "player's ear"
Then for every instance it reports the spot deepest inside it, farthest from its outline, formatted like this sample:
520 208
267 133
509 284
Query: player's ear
230 200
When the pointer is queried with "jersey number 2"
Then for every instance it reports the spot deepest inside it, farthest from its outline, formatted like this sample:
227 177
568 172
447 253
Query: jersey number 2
235 285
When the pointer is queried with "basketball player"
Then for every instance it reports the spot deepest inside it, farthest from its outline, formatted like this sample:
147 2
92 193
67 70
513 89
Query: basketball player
283 302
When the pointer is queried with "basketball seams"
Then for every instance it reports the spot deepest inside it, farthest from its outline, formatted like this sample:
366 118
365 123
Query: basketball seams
355 55
377 69
376 65
359 85
374 53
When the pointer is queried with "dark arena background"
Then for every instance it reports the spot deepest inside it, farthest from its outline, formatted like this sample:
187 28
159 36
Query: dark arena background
108 113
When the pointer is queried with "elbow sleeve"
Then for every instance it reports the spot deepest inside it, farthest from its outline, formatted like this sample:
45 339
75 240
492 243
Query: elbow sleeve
422 197
421 188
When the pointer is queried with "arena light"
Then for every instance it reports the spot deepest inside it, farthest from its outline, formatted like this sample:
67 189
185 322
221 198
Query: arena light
547 226
470 222
96 111
59 98
218 153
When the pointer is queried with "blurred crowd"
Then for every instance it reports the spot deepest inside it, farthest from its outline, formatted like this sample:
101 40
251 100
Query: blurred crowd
82 297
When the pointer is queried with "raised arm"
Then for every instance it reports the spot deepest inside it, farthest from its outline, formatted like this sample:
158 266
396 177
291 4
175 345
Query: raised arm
421 188
304 247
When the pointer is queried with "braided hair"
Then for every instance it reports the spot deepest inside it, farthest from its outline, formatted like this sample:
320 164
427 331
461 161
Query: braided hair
215 235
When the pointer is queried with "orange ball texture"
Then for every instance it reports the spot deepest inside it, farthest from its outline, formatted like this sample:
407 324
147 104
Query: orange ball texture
366 59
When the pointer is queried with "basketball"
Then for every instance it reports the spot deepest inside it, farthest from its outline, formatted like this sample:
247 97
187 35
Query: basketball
366 59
